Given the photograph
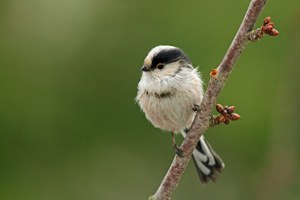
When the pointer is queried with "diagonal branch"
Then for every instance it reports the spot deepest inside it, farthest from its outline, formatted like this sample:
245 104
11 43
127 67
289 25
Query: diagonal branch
215 85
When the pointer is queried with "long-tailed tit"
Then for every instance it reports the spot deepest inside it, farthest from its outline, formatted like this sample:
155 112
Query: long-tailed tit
170 92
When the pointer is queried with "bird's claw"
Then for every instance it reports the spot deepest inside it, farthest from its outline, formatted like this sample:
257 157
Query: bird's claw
179 152
196 108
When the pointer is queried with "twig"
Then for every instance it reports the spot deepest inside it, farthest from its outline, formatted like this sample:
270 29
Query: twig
215 85
266 28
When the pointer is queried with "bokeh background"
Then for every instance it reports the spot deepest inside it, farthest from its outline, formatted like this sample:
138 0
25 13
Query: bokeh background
69 126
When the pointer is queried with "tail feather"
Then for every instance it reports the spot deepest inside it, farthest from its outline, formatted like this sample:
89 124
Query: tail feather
209 167
208 163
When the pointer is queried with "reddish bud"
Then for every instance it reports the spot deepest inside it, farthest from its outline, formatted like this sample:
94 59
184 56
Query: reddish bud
272 24
230 109
221 118
268 28
274 32
219 108
234 116
267 20
263 28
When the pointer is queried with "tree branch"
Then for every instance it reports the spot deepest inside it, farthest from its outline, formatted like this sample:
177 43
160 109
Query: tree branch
217 81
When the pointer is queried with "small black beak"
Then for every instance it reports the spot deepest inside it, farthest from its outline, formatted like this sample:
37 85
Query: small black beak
145 69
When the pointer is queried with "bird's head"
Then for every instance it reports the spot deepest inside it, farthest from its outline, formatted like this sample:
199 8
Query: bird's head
163 61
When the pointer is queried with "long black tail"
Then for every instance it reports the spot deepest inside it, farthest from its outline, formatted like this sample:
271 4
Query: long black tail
208 163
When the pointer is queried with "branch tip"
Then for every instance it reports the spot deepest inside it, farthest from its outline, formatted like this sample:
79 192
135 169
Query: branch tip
266 28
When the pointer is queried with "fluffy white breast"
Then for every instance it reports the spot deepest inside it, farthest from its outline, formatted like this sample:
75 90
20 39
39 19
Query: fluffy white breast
168 101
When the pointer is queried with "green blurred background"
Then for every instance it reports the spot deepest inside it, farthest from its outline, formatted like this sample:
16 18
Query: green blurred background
69 126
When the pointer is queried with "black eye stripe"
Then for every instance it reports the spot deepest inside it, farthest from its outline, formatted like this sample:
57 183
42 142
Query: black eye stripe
168 56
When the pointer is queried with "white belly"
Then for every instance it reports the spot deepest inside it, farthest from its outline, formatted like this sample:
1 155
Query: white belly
172 113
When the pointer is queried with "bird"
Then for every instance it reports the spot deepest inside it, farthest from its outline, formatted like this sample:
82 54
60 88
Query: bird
170 92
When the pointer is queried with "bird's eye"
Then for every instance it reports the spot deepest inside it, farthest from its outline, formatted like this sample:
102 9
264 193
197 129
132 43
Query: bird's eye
160 65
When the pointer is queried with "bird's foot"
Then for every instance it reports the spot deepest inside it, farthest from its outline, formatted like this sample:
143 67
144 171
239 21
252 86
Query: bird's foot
179 152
